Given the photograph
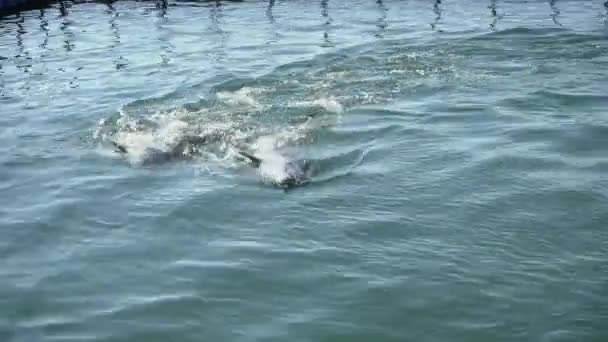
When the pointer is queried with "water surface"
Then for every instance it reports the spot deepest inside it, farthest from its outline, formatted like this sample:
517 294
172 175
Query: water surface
458 187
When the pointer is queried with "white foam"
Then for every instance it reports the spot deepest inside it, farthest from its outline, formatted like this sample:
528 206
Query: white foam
330 104
241 97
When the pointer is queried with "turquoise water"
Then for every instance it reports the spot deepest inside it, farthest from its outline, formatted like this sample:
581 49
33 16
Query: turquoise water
457 186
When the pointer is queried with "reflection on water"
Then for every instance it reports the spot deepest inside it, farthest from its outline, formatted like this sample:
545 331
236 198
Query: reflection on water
216 13
119 62
44 27
23 56
325 14
65 26
58 16
164 35
381 22
555 13
20 32
55 42
494 15
437 11
269 14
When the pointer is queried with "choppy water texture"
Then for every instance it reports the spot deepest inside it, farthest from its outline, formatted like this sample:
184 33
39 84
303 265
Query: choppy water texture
454 159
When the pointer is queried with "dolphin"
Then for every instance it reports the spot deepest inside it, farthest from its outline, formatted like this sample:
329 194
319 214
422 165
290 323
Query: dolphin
296 172
181 151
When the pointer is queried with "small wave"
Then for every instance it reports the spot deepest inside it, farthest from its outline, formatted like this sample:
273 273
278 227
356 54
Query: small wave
522 31
338 166
572 98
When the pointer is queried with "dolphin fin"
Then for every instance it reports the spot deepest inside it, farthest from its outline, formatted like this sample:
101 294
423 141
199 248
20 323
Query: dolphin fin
121 148
254 160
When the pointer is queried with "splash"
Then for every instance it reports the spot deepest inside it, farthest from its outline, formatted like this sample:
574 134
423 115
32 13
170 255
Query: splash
273 166
176 133
277 167
280 164
141 143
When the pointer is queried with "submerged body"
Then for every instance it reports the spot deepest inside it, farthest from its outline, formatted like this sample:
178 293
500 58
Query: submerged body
292 173
183 150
